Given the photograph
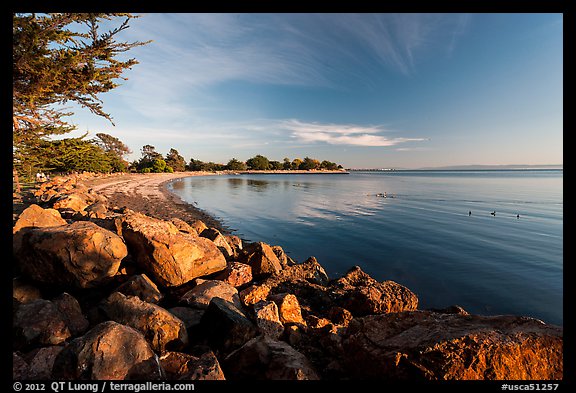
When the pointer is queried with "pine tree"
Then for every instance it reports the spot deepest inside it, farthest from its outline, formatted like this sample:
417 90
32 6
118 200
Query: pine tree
57 58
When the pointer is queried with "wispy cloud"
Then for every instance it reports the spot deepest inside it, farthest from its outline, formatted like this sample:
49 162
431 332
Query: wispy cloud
342 134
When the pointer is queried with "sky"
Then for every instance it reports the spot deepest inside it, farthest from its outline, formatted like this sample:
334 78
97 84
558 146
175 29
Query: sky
362 90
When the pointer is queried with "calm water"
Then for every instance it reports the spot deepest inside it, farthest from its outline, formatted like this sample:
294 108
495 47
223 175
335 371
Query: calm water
422 238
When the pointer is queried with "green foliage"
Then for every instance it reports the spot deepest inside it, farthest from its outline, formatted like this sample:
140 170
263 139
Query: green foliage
235 165
331 166
296 163
258 163
175 161
309 163
57 58
286 164
194 165
146 170
275 165
69 155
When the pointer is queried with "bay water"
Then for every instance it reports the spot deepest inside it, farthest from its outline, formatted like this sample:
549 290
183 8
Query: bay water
490 241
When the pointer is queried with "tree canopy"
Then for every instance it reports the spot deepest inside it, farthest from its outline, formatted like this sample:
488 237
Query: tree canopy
60 58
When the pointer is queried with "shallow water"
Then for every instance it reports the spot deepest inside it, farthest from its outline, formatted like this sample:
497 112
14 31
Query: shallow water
423 237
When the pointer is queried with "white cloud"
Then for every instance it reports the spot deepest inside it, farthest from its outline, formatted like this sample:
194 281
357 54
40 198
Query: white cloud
341 134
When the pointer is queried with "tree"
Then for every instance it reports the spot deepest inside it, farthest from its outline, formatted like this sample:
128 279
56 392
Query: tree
58 58
149 155
258 163
309 163
115 150
286 165
331 166
235 165
175 161
296 163
275 165
194 165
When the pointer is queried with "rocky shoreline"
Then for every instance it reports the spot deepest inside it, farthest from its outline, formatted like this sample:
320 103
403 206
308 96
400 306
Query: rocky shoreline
133 285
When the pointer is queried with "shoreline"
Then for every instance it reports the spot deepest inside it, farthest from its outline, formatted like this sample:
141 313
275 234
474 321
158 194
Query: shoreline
204 305
136 191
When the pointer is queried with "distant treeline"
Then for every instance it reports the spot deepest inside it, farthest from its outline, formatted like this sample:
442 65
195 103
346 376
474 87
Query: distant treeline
153 161
105 154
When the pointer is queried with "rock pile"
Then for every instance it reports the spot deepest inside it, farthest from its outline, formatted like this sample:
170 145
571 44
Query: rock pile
106 293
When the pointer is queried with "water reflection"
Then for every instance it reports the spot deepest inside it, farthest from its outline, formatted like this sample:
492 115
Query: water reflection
257 185
235 183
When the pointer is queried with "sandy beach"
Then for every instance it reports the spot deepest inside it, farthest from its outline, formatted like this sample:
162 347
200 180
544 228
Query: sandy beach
147 193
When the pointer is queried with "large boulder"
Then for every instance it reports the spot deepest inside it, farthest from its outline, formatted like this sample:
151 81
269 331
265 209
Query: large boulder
236 274
160 328
220 241
181 366
205 290
39 322
268 319
42 361
226 327
77 201
261 258
171 257
80 255
109 351
35 216
266 358
183 226
434 346
363 295
140 285
72 313
288 308
24 292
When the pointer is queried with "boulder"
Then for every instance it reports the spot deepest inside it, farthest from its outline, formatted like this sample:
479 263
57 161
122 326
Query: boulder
261 258
340 316
181 366
20 368
205 290
284 259
309 270
190 316
160 328
97 210
235 243
77 201
80 255
268 319
225 327
171 257
72 313
23 292
42 361
183 226
253 294
424 345
199 226
220 241
140 285
35 216
288 308
266 358
363 295
109 351
39 322
236 274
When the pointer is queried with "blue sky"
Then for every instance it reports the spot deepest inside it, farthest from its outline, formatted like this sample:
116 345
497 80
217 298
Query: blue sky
368 90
